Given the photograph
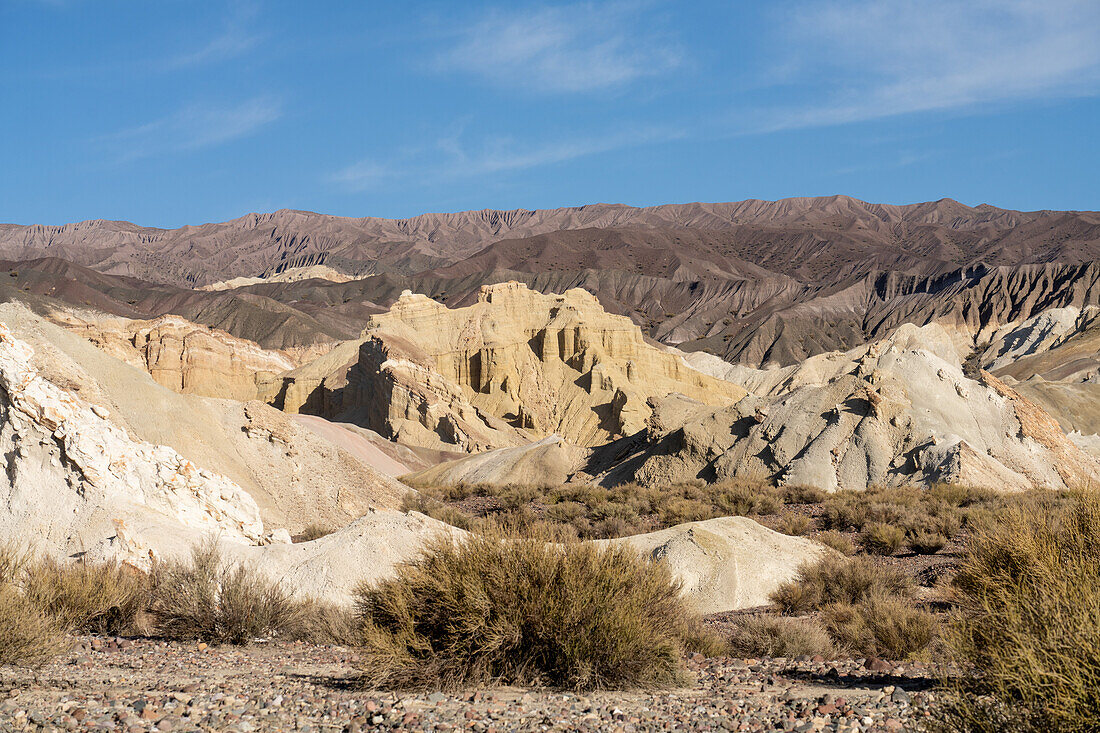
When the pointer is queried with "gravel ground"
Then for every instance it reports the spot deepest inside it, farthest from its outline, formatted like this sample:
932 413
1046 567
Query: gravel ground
146 685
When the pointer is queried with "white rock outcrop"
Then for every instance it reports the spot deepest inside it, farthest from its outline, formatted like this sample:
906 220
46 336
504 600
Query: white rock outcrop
72 478
901 410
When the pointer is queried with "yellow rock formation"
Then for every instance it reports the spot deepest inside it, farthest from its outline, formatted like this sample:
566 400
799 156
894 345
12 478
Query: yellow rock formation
515 365
183 356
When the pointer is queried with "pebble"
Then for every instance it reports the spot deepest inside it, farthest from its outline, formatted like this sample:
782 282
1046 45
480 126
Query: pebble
144 686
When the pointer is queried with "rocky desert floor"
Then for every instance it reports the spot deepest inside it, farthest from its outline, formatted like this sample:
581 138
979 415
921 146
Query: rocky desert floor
148 685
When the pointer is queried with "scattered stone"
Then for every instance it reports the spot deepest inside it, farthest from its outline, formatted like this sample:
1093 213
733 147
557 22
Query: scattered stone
279 686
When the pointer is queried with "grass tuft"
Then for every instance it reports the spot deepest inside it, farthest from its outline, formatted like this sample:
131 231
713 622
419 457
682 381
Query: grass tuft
879 626
881 539
795 525
313 532
837 541
927 543
29 637
839 580
94 598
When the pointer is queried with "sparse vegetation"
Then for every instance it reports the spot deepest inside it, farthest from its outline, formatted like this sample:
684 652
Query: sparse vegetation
864 608
596 512
219 602
839 580
776 636
795 524
313 532
1028 621
29 637
879 625
524 610
96 598
837 541
878 538
927 543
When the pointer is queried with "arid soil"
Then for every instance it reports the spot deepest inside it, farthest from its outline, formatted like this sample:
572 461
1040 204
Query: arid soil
147 685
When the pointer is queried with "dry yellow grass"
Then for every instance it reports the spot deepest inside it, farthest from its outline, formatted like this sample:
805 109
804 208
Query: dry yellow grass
1028 621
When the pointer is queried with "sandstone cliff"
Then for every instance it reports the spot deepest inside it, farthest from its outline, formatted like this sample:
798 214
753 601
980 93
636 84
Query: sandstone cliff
183 356
514 366
78 484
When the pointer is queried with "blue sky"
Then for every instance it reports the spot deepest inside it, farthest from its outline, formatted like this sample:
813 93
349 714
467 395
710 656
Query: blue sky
169 112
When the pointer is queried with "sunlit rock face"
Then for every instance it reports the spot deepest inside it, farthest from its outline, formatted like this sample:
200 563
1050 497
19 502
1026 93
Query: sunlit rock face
515 366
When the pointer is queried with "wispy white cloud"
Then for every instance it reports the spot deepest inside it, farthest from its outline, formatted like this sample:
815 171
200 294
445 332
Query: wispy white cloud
840 62
194 127
573 48
232 43
361 175
451 157
868 59
237 37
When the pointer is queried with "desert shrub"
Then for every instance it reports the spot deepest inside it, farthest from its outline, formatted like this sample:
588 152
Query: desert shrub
845 511
601 512
419 501
839 580
879 625
97 598
679 511
738 501
323 623
525 611
611 527
313 532
217 601
771 636
838 541
795 598
512 496
804 495
1028 621
29 637
927 543
566 512
881 539
768 504
795 524
960 495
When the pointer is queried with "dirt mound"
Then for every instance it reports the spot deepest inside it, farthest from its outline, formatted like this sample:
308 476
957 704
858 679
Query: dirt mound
726 563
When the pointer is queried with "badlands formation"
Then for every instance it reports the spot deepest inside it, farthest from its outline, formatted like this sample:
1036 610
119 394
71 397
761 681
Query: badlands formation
309 370
105 463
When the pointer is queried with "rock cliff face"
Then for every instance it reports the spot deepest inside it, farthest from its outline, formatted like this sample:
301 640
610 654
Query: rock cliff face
183 356
900 410
515 365
77 484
